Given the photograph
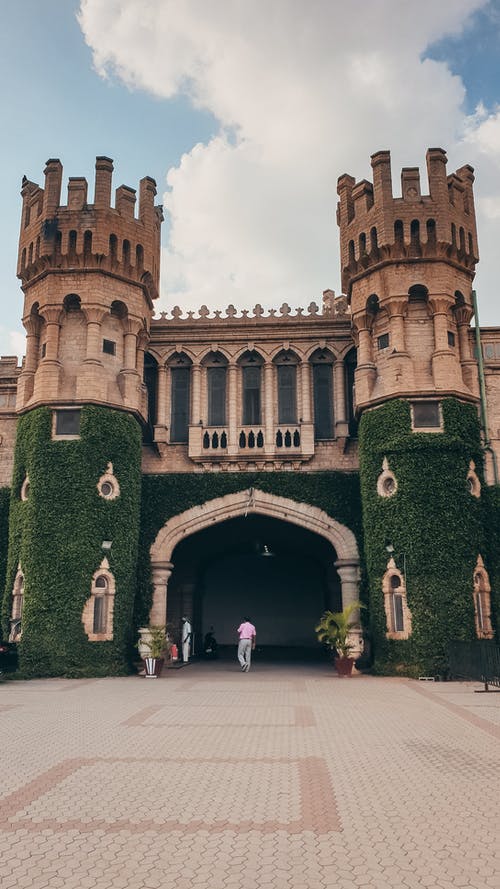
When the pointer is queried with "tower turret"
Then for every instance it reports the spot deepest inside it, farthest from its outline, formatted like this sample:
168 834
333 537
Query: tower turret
90 273
407 266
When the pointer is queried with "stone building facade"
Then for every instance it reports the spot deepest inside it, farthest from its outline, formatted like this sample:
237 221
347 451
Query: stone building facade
237 410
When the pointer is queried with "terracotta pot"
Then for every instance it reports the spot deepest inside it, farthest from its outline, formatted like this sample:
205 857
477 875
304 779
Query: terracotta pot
153 667
344 665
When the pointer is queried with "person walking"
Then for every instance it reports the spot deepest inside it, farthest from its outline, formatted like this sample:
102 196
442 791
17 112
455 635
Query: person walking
186 639
247 634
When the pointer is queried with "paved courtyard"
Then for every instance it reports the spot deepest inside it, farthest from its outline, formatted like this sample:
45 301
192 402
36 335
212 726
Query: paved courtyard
280 778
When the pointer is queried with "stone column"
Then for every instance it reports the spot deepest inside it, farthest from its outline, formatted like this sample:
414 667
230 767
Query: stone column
195 394
232 400
162 395
341 425
94 346
161 573
445 366
396 309
366 371
47 376
25 382
400 377
129 380
268 407
463 316
305 380
348 571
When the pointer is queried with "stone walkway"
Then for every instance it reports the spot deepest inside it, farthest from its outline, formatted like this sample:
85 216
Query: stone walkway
280 778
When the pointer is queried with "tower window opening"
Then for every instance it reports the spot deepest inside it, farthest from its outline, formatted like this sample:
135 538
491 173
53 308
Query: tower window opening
109 347
453 234
383 341
373 240
431 232
471 245
362 244
72 241
451 338
351 252
461 235
126 252
139 256
113 246
87 243
399 233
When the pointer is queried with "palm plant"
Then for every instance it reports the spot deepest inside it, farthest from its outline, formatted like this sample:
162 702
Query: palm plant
334 628
156 643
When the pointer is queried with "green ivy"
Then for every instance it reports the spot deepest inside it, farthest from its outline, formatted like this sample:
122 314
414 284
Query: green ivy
163 496
56 536
4 533
432 520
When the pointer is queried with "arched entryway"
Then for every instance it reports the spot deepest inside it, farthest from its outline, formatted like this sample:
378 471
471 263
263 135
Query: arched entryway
315 564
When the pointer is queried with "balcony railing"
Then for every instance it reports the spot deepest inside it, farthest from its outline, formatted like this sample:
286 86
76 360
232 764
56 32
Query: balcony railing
213 442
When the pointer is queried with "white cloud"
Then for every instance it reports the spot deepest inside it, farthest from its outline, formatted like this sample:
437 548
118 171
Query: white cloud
303 93
12 342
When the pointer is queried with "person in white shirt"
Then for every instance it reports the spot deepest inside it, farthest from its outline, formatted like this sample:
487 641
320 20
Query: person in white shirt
186 639
247 635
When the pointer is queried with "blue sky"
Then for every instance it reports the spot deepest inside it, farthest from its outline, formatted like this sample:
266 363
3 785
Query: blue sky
254 120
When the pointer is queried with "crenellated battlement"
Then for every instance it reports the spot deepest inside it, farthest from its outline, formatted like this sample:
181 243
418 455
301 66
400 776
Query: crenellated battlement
90 236
377 228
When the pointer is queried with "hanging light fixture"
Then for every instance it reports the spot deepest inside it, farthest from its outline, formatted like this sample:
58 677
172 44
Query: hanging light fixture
266 551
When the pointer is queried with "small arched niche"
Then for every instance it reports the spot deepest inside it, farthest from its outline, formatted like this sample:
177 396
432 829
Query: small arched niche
397 614
97 615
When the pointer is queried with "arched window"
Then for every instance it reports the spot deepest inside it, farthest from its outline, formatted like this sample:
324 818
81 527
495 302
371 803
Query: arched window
362 244
216 365
286 379
251 382
97 615
139 257
350 249
399 233
87 244
113 246
397 613
180 386
17 606
72 237
373 240
126 252
322 373
482 601
431 232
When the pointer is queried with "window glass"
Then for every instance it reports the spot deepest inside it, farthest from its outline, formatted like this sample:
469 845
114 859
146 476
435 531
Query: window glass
68 422
426 414
99 623
287 393
251 395
383 341
109 347
180 404
323 401
397 602
216 381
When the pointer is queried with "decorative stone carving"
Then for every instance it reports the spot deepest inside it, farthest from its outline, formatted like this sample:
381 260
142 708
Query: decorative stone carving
473 483
386 483
108 486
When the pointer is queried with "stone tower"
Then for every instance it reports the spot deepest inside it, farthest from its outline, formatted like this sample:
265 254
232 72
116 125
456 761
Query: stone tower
89 273
407 268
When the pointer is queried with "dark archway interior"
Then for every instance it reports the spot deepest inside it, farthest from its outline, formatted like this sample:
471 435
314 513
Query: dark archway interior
223 573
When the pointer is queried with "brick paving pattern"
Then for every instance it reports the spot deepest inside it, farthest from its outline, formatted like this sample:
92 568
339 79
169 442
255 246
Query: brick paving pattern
281 778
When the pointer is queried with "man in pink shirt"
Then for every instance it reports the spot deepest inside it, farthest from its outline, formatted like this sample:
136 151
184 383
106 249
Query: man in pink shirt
247 634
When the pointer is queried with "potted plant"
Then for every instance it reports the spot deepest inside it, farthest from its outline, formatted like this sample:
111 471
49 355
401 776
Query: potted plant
333 631
152 645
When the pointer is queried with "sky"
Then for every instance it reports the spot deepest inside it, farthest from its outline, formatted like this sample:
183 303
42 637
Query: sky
246 112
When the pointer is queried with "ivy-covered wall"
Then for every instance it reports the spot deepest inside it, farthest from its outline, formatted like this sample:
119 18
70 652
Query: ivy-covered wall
4 533
492 502
164 496
57 533
432 520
